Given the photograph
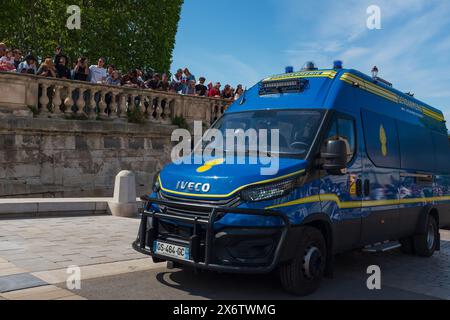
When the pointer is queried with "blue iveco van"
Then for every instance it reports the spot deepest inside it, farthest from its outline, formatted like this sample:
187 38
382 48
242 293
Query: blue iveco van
361 166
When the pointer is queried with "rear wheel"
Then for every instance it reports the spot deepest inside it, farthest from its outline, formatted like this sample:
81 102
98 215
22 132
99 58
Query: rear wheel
425 244
303 275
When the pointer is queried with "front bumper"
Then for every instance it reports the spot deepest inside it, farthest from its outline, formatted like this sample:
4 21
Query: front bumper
263 246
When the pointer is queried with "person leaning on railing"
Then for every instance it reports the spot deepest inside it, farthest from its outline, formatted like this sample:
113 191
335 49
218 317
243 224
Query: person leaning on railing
81 70
47 69
7 61
62 71
28 66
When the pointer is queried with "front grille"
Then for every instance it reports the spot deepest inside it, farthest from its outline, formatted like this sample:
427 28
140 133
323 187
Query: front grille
199 208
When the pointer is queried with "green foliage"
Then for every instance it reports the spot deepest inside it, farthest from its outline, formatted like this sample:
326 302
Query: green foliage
180 122
135 116
34 110
129 33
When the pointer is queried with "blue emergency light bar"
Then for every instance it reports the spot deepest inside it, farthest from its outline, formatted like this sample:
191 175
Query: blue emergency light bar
286 86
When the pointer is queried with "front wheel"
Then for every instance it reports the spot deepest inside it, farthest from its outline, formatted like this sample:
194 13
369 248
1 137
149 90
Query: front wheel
303 275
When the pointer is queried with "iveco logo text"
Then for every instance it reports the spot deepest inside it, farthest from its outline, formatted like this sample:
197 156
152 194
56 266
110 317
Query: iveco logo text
192 186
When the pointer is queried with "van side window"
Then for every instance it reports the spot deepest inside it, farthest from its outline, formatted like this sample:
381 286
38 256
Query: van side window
346 130
380 134
416 147
343 128
442 150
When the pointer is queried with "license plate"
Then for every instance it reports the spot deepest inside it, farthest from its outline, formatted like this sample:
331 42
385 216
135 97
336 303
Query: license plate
171 250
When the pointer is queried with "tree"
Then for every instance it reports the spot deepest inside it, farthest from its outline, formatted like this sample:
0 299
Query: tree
128 33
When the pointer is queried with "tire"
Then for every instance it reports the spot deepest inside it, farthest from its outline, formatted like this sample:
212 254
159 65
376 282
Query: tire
425 244
294 276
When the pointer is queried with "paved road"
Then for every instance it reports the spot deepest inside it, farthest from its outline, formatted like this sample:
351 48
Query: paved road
35 253
403 277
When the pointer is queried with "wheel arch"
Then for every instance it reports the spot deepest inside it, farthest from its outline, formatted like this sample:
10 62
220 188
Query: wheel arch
320 221
423 218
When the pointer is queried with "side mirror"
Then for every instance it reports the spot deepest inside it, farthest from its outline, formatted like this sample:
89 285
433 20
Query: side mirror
335 157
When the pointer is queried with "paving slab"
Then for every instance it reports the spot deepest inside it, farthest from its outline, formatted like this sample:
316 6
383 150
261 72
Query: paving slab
47 292
12 271
43 244
19 281
99 270
73 297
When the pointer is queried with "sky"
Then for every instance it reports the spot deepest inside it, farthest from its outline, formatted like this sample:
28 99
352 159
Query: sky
245 41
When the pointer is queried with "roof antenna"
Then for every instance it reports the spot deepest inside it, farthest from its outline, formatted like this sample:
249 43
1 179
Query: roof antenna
376 78
243 97
375 72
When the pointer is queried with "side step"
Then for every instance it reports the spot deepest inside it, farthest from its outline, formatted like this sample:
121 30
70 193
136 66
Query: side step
382 247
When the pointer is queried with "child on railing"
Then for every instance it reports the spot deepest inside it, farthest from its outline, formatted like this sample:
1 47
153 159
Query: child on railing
7 62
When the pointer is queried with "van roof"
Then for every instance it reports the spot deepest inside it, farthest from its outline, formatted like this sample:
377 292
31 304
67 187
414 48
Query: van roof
330 89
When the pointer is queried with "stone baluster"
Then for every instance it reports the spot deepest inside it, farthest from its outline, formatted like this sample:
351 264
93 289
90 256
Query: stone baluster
44 100
158 109
167 114
102 104
68 102
123 106
113 109
92 105
141 105
57 100
80 102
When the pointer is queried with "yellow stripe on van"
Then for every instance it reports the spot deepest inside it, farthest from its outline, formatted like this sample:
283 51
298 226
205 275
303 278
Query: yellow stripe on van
350 78
303 74
220 196
433 114
357 204
382 92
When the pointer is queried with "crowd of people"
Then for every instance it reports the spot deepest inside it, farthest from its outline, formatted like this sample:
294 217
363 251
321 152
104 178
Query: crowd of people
183 81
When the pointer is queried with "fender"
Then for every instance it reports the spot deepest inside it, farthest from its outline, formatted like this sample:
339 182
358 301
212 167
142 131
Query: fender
325 219
423 218
291 246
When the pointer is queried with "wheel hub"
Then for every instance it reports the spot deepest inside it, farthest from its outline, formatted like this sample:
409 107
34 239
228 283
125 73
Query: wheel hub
431 236
312 262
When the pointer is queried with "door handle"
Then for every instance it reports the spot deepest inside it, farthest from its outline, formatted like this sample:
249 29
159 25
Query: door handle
366 187
359 188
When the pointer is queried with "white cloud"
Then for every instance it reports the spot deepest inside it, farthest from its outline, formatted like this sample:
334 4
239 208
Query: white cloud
411 50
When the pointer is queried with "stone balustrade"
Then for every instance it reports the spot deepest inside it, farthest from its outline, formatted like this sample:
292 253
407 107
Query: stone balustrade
29 95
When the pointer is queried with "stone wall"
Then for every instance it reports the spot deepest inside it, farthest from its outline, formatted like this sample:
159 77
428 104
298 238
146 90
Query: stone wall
44 152
57 158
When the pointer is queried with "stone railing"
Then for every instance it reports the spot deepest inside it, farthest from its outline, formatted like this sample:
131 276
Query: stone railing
28 95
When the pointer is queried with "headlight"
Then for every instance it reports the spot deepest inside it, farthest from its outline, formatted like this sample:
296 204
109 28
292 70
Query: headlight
156 184
269 191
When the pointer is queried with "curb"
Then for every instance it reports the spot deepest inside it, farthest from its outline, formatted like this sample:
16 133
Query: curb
26 208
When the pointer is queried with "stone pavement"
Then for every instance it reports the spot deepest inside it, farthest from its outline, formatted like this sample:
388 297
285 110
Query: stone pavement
35 253
429 276
55 243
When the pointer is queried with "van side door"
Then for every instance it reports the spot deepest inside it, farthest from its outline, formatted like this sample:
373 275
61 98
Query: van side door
339 193
381 178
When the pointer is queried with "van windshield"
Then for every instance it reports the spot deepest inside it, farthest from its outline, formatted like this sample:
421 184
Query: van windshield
296 130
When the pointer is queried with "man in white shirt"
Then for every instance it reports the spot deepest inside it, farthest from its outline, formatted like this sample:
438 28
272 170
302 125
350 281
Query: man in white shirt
98 72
